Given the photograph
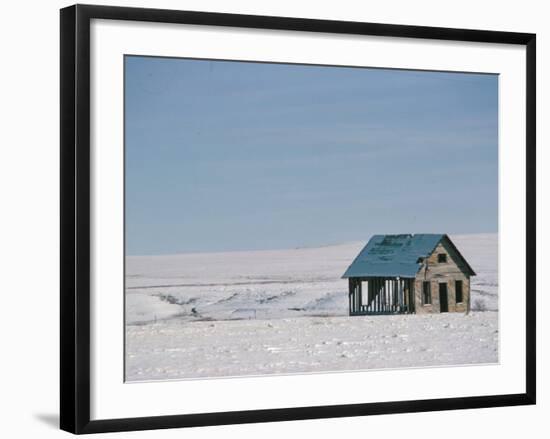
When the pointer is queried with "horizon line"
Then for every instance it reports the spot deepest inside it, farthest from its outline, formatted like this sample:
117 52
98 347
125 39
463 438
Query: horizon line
300 247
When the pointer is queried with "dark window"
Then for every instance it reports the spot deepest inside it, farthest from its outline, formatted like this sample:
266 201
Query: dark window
441 257
426 293
458 291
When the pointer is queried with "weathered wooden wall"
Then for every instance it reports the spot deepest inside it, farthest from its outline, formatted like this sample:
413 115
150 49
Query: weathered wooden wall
442 272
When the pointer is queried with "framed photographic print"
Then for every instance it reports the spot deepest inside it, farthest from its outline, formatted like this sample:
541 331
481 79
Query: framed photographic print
305 218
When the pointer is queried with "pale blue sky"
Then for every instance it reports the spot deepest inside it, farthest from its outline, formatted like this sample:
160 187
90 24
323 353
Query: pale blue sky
235 156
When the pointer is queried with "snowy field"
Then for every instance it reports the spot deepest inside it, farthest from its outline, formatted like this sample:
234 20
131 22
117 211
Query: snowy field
285 311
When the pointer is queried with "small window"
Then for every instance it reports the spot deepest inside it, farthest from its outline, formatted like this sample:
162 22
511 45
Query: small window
458 291
441 257
426 293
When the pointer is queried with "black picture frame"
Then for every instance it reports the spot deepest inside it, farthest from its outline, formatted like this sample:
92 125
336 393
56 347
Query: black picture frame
75 218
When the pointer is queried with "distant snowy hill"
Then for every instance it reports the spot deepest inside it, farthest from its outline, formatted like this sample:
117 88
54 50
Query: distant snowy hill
270 284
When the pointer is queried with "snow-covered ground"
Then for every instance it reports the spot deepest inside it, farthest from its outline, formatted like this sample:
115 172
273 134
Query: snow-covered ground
177 349
285 311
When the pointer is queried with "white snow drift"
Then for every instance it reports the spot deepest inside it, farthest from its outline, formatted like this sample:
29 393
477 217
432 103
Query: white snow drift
285 311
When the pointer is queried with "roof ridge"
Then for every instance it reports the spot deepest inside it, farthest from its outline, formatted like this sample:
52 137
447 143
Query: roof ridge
391 255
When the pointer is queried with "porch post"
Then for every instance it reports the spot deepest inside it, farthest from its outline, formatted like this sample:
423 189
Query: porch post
350 294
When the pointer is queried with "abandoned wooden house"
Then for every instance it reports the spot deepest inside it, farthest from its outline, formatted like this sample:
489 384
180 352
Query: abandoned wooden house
403 274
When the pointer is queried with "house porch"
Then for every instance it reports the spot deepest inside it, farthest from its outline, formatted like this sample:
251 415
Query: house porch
380 295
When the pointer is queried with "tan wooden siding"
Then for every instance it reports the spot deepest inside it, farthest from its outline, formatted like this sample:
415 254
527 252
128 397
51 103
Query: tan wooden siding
442 272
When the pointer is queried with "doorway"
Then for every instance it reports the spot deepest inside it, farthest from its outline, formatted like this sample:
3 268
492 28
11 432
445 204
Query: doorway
443 299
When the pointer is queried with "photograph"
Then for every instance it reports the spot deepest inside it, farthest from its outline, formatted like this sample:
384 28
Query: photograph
295 219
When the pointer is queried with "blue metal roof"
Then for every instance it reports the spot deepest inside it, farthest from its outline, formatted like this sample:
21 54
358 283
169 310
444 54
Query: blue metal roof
393 255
